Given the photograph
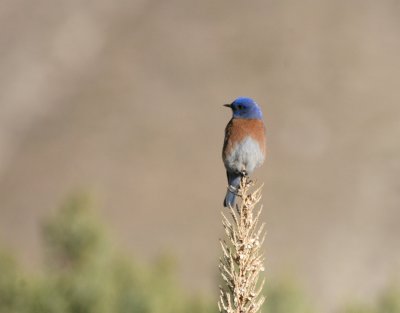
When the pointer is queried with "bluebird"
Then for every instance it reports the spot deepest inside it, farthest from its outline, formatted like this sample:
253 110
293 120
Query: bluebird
244 144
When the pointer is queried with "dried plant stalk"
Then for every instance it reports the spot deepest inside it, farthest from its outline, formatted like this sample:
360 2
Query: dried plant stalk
242 260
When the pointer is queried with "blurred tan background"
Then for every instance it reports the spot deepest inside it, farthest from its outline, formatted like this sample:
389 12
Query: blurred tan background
123 99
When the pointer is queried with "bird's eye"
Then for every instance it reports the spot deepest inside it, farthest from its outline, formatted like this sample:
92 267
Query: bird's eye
240 107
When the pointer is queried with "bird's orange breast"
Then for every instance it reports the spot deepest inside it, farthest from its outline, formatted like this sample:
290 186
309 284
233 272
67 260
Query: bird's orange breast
238 129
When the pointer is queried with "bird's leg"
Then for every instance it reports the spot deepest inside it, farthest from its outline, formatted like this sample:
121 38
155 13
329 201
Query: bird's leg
233 189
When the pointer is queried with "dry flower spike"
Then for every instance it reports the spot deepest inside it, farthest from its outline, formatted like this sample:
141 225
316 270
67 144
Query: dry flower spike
242 261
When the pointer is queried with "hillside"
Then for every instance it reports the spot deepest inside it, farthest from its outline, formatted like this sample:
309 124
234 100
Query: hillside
123 99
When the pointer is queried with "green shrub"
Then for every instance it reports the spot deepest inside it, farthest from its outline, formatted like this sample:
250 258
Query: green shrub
12 286
285 296
83 274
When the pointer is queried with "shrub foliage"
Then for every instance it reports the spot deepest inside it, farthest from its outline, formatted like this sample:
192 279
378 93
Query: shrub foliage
84 274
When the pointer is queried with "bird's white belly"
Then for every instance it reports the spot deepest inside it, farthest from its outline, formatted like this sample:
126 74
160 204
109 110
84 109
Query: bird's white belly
245 156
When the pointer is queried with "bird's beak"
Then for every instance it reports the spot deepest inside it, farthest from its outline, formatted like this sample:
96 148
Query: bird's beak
228 105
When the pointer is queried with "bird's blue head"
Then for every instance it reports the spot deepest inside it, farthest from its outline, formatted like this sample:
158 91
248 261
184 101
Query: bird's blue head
246 108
